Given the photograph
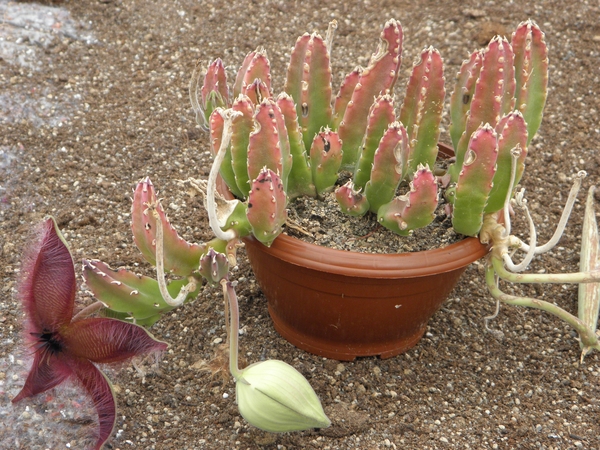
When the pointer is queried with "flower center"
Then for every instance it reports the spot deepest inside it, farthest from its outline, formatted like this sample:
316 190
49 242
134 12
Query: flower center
49 340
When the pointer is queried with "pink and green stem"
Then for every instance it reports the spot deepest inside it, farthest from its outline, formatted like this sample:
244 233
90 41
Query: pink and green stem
464 88
531 71
300 178
180 257
381 116
414 209
242 126
351 201
493 97
512 134
255 66
421 112
475 181
267 203
309 84
378 78
269 144
386 172
345 96
325 160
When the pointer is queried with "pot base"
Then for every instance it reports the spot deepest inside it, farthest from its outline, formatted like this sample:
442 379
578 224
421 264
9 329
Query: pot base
341 352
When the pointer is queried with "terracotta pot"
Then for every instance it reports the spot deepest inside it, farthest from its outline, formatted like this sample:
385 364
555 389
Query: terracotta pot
341 304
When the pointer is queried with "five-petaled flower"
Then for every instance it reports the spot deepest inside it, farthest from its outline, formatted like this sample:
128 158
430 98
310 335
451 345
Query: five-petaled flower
63 347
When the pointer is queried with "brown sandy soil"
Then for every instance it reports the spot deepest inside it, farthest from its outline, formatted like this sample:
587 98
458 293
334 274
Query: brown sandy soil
93 109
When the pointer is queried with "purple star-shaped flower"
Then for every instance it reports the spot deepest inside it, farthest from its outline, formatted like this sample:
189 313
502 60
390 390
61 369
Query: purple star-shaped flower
63 347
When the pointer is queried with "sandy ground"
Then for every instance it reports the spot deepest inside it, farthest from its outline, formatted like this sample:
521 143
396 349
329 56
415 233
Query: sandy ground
94 97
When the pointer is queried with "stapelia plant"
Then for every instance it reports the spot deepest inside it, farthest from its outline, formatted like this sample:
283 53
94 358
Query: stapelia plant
66 346
271 149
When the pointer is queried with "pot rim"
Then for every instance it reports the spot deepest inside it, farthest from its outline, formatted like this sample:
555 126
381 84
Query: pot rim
374 265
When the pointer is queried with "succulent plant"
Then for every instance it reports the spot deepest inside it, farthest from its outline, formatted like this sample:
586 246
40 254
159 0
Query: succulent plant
495 110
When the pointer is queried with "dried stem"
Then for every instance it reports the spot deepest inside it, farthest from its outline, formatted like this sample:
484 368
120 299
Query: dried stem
160 267
588 337
211 188
532 240
563 219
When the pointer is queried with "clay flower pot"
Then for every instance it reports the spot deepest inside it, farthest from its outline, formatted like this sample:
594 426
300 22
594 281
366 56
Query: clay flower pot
341 304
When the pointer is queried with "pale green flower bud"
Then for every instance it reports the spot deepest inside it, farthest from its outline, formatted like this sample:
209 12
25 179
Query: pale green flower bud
275 397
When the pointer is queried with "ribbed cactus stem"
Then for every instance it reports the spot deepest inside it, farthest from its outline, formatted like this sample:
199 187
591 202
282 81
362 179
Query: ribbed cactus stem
256 91
256 65
130 296
350 200
344 96
381 116
309 84
215 80
475 181
531 71
493 97
213 93
378 78
325 160
269 143
464 88
180 256
242 126
512 134
414 209
266 206
385 176
300 177
421 111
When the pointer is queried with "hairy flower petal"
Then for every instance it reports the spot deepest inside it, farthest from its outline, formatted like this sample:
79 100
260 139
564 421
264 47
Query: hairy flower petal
103 340
48 370
100 390
47 286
